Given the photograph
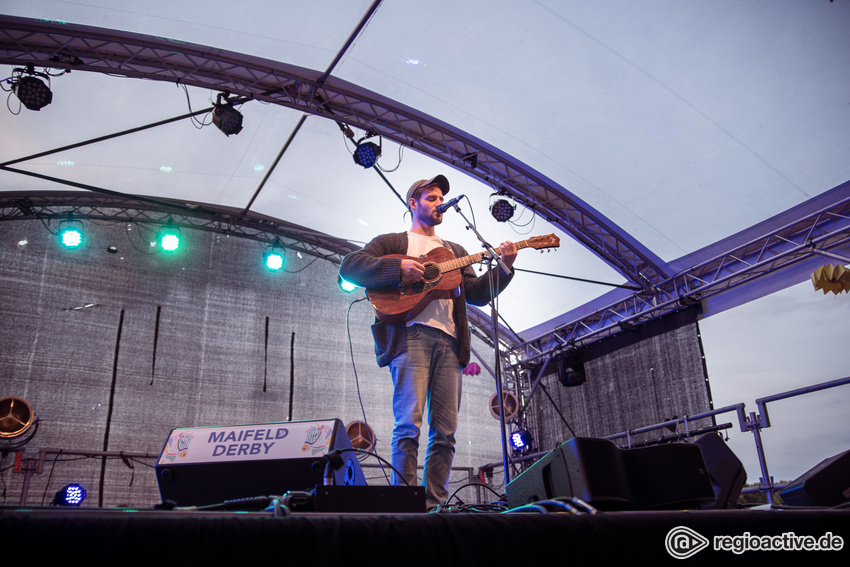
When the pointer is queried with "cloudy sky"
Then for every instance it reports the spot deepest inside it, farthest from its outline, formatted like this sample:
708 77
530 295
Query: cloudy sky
790 339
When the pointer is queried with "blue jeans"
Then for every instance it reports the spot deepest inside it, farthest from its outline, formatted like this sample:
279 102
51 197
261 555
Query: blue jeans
429 372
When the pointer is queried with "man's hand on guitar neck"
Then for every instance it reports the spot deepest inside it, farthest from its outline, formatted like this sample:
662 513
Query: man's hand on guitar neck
509 251
411 271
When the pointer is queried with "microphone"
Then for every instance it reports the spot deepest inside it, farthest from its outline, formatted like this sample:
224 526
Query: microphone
446 206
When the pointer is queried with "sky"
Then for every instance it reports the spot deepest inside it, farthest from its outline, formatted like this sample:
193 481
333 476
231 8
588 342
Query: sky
793 338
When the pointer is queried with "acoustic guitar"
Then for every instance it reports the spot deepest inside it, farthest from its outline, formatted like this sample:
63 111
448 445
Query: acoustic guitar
395 305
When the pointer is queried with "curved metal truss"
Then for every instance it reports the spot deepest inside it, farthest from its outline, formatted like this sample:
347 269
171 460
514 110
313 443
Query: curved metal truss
68 46
222 220
791 244
219 219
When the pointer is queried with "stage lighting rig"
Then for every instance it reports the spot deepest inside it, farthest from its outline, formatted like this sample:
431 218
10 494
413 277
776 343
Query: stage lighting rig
521 441
71 233
366 154
501 209
274 257
571 372
168 237
30 90
70 495
345 285
225 116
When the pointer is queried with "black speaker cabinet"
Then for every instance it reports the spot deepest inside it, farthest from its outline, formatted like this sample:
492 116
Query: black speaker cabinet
827 484
208 465
725 469
609 478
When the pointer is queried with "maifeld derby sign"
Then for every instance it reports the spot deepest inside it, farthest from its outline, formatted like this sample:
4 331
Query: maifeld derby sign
290 440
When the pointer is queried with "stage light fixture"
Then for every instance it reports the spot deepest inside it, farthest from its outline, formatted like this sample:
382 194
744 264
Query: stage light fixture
29 89
521 441
168 237
274 259
225 116
71 233
502 210
571 372
367 154
71 495
345 285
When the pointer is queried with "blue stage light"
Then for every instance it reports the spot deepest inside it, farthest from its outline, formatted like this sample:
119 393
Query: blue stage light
71 495
521 440
366 154
31 91
502 210
225 116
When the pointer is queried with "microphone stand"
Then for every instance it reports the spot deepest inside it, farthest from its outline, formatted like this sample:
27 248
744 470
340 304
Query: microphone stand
494 315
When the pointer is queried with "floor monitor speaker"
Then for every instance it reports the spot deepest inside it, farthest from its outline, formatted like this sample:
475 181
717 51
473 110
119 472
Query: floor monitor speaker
609 478
208 465
725 469
827 484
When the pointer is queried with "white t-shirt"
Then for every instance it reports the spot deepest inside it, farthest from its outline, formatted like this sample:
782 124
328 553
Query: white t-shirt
438 313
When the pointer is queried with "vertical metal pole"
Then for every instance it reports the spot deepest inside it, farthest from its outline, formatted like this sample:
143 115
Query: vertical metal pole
766 481
26 466
498 369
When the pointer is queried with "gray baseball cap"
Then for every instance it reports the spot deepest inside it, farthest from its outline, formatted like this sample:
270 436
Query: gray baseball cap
440 181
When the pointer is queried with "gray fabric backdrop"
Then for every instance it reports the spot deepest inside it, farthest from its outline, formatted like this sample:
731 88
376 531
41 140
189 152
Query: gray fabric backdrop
209 337
213 364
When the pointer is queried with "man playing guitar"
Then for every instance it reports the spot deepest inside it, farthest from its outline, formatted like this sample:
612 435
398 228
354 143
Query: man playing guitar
427 347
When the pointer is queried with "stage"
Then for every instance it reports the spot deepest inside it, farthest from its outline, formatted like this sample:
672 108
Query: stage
131 536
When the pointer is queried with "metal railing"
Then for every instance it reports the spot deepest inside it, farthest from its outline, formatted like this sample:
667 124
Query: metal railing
754 423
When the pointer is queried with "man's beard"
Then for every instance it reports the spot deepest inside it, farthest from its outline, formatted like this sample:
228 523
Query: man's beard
433 219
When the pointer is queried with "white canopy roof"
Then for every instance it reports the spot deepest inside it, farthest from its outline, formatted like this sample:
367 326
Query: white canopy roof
683 123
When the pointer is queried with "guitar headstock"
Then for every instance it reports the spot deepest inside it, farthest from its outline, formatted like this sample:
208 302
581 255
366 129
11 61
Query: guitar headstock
541 242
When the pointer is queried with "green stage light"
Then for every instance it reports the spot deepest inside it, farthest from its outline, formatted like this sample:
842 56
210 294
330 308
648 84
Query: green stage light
71 234
345 285
274 257
169 237
273 260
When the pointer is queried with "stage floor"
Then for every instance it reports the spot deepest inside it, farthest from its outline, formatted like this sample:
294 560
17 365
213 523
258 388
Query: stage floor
122 536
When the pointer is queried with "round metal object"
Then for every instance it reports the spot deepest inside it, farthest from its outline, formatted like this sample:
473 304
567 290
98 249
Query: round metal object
16 417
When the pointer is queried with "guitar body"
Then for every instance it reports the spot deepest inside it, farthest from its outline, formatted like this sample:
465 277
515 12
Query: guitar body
443 277
395 305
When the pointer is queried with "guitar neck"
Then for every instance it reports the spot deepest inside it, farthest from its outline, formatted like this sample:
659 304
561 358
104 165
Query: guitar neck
459 263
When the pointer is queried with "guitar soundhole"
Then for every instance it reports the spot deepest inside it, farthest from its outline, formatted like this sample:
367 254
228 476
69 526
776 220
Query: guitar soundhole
432 272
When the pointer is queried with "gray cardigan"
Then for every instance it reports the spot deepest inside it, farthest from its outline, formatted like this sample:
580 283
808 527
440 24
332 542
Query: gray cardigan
369 268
